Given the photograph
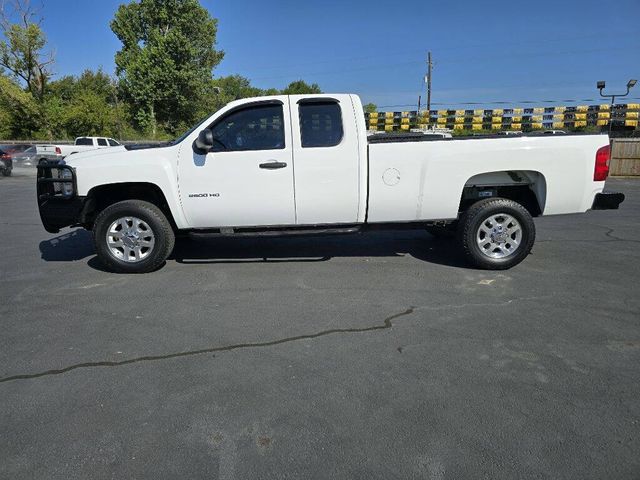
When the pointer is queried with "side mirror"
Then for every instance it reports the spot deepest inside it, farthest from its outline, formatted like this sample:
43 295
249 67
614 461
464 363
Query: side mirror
204 142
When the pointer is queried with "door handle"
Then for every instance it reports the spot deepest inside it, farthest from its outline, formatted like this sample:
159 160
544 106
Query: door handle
273 165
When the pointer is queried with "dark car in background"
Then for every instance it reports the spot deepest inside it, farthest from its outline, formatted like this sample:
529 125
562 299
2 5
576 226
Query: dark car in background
6 162
16 149
27 157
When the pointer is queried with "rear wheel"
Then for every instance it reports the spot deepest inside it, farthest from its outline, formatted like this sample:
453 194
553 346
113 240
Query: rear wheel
496 233
133 236
6 172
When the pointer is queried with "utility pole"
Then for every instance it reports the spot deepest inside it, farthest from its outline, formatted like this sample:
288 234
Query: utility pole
428 80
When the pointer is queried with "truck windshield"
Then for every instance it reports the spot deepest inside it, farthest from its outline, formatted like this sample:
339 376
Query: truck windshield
175 141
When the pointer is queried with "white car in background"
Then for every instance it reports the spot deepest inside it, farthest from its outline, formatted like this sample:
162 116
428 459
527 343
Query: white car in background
37 153
83 144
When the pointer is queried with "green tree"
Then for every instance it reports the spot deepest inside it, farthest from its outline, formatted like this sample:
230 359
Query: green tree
234 87
300 87
21 51
88 114
226 89
67 87
370 108
166 60
63 88
21 110
83 105
5 122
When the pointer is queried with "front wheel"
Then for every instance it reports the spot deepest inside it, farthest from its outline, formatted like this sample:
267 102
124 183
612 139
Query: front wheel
496 233
133 236
6 172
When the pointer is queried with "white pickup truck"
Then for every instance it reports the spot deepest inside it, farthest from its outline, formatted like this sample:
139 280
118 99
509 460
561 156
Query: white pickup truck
303 164
83 144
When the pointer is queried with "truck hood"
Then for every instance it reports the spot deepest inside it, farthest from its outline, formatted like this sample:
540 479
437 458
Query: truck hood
78 158
118 156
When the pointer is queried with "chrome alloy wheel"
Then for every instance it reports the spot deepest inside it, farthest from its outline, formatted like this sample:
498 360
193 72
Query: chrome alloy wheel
499 236
130 239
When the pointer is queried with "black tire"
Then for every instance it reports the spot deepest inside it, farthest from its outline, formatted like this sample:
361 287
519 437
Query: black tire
6 172
164 236
443 231
469 231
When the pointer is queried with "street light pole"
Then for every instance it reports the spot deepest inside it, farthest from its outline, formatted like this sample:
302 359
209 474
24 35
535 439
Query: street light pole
601 85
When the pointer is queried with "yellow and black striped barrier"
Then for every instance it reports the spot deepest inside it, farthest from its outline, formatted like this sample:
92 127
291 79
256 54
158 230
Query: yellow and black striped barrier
621 116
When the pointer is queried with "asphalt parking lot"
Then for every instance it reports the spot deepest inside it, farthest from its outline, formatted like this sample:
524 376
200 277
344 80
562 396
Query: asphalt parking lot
368 356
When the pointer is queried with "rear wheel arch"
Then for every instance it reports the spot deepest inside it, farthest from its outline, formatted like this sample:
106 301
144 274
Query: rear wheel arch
526 187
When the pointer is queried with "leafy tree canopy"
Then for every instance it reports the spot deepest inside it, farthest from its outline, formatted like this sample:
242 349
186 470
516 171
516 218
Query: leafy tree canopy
166 59
19 107
370 108
21 50
300 87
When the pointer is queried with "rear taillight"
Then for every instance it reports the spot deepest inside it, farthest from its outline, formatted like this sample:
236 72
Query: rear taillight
58 151
601 170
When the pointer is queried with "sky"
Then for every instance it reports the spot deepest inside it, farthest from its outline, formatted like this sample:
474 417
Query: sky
484 52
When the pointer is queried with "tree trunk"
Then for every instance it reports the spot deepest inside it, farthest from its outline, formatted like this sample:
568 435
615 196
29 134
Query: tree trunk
153 122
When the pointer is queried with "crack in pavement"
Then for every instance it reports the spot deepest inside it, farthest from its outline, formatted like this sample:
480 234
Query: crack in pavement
608 234
618 239
386 324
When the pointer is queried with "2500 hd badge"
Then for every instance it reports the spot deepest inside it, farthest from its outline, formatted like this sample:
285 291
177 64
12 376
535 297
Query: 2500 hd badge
203 195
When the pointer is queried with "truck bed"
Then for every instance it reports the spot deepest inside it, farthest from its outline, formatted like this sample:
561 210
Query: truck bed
413 181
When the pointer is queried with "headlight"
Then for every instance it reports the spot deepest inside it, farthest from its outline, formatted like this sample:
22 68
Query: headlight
67 187
64 188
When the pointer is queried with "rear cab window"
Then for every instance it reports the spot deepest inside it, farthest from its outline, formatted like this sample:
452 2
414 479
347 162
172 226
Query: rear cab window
320 123
84 141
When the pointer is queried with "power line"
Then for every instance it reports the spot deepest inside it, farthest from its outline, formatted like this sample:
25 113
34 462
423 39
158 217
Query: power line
378 66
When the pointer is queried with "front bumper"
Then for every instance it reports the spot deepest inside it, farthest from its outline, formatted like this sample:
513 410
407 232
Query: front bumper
58 203
607 201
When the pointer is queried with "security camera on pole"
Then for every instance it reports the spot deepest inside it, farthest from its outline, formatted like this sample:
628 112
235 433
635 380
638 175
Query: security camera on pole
601 85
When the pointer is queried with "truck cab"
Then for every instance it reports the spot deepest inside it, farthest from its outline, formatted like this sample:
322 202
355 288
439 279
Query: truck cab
283 160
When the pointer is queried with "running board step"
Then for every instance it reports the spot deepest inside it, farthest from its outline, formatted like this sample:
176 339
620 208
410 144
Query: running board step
254 232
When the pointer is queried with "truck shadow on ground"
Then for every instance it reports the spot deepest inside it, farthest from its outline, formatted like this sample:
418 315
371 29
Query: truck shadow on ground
69 247
78 245
419 245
